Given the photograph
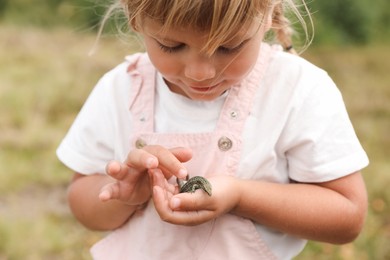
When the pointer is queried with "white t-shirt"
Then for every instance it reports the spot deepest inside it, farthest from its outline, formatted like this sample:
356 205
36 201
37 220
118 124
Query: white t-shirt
298 130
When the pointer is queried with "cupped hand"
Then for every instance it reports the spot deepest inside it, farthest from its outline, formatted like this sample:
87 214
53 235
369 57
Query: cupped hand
131 182
194 208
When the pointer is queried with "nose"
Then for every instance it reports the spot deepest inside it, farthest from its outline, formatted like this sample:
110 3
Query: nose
199 68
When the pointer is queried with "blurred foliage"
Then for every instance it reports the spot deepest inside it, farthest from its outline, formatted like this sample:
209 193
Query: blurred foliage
351 21
335 21
84 15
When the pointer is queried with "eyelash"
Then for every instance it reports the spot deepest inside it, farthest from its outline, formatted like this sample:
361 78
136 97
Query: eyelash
226 50
221 49
170 49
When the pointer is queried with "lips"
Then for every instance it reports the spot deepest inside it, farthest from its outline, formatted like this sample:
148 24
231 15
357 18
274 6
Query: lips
203 88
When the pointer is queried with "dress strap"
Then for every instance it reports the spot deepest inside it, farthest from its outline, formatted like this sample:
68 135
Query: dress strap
141 101
240 100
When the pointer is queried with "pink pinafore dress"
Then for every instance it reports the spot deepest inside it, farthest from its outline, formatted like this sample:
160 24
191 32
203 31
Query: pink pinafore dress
145 235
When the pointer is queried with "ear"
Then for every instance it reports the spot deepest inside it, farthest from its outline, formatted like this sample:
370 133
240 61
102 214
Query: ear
134 26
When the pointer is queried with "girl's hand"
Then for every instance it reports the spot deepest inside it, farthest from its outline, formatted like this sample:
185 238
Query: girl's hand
131 183
193 208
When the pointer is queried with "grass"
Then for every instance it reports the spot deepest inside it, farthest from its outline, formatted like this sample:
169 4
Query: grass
45 77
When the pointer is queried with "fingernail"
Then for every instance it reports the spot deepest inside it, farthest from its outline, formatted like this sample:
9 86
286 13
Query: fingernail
182 173
104 195
175 203
150 162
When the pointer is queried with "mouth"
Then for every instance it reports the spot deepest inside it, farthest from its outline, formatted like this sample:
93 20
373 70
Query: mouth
198 88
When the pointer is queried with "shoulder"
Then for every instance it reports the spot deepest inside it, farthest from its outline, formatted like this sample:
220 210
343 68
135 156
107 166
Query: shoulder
112 94
294 68
123 70
118 82
296 77
130 63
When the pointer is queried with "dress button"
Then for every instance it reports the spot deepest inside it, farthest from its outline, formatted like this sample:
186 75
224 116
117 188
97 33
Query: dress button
224 143
233 114
140 143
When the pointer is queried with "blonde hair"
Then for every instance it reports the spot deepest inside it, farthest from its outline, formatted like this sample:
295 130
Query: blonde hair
220 18
282 28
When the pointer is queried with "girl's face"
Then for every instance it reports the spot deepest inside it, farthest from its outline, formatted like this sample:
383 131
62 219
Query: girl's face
187 70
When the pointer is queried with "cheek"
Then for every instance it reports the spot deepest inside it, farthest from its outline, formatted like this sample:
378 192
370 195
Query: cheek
165 65
247 59
241 66
163 62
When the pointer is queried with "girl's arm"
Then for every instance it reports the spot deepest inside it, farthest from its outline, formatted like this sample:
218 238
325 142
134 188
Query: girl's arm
332 212
92 212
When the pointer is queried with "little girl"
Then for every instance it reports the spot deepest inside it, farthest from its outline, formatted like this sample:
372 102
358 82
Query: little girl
210 98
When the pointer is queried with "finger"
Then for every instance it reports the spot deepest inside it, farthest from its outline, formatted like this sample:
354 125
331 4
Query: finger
167 214
168 161
122 172
181 153
196 201
158 179
109 191
117 170
160 194
141 159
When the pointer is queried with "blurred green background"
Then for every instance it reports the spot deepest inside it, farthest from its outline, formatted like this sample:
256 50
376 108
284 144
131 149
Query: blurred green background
46 74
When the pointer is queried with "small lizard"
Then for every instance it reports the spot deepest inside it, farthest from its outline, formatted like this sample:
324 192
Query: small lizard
193 184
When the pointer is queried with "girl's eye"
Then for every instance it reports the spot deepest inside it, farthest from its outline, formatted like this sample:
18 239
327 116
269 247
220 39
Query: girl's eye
170 49
228 50
232 50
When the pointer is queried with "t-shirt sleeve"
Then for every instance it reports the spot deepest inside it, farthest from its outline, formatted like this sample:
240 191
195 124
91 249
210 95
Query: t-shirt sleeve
321 144
90 142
